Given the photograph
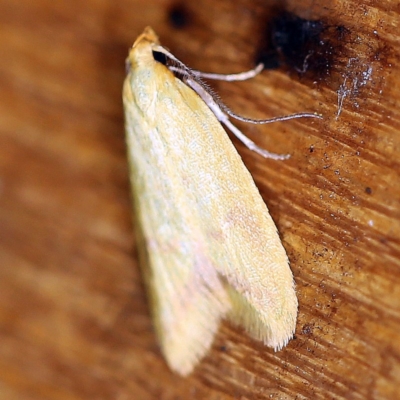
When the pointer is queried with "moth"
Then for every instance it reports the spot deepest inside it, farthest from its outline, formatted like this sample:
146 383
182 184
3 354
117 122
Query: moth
208 248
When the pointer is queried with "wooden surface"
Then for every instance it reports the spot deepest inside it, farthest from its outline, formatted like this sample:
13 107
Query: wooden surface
74 323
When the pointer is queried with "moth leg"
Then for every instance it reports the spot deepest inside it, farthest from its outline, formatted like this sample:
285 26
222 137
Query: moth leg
224 119
242 76
251 145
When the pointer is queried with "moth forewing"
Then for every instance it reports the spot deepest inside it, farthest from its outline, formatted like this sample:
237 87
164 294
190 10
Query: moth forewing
211 249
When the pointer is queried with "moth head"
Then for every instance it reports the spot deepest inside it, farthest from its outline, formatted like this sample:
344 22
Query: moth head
141 52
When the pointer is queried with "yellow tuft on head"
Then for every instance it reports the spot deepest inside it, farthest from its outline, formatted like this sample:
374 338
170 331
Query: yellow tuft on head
142 50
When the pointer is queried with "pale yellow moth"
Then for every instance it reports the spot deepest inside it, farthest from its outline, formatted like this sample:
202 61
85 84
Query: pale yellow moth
208 246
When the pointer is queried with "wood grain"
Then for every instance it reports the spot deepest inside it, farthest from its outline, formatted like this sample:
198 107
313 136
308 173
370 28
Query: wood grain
74 322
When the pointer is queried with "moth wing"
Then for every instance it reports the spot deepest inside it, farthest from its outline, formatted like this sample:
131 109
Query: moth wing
202 220
242 239
187 297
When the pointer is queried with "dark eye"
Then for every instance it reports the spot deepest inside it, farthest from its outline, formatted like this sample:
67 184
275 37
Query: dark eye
160 57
